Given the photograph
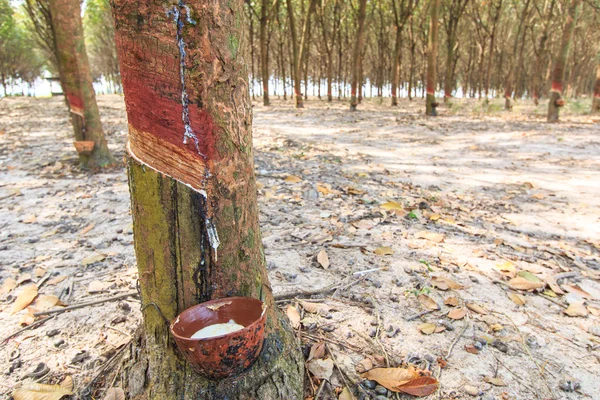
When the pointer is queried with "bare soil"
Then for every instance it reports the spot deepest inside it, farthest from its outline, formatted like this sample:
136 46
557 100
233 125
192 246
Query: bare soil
400 203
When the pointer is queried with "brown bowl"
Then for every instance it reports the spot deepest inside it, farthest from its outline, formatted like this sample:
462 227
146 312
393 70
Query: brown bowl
219 357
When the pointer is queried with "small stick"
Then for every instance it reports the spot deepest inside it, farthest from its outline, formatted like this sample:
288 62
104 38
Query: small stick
43 280
565 275
321 386
460 334
31 326
291 295
89 303
418 315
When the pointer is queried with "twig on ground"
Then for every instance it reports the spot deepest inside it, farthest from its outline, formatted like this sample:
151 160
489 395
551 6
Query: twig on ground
457 338
86 304
107 364
418 315
31 326
516 376
321 386
291 295
41 282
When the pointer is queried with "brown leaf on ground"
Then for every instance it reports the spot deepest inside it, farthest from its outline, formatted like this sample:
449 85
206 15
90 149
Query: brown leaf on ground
94 258
315 308
39 272
420 387
44 302
24 278
323 259
384 251
95 287
317 350
457 313
451 301
321 369
391 378
495 381
392 206
292 179
428 302
56 280
38 391
346 394
520 283
24 298
432 236
444 283
578 291
293 315
8 285
471 349
27 319
429 329
576 310
517 298
476 308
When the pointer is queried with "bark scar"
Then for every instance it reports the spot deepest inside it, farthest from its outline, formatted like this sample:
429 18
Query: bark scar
176 14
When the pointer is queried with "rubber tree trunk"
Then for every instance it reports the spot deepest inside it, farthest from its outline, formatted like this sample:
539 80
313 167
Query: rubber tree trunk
396 65
558 74
430 103
76 80
356 55
264 54
596 97
193 192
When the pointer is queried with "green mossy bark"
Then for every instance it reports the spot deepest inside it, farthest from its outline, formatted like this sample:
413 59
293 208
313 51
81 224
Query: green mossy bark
170 244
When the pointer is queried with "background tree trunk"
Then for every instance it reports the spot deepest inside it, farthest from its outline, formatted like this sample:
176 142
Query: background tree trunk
430 104
193 192
356 55
596 96
76 80
558 74
264 54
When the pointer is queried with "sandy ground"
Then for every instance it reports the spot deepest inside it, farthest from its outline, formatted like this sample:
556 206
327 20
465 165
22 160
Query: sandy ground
402 205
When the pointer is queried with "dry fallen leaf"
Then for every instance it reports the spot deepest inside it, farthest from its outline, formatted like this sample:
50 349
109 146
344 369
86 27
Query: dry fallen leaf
44 302
23 278
26 319
39 272
321 369
319 308
56 280
507 268
428 302
578 291
293 179
95 286
293 315
24 298
576 310
476 308
451 301
391 378
457 313
420 387
323 259
317 350
346 394
114 393
444 284
429 329
520 283
517 298
392 206
8 285
93 259
495 381
384 251
471 349
432 236
38 391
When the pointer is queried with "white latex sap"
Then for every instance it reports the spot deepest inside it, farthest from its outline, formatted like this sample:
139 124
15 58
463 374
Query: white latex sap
217 330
